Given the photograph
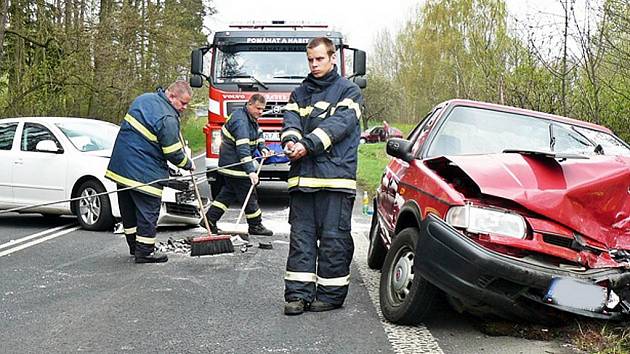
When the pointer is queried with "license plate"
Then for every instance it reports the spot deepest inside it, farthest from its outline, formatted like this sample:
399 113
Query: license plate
576 294
271 136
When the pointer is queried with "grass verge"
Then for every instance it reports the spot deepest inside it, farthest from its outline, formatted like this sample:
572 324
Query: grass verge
192 130
579 334
371 163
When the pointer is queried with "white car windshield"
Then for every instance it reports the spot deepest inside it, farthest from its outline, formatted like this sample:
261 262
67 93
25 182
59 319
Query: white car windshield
89 135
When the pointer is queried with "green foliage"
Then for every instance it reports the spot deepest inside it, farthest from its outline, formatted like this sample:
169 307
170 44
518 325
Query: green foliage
463 49
90 58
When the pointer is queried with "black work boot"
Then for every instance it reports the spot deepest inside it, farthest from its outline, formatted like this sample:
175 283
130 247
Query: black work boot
153 257
131 242
294 307
213 227
259 229
321 306
149 256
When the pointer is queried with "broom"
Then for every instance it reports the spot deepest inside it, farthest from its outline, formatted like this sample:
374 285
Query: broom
208 245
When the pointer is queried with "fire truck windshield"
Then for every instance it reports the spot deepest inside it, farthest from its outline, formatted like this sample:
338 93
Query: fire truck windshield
268 66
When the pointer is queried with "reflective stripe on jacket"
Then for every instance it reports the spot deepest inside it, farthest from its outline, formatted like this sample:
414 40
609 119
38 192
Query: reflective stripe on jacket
240 137
325 119
149 136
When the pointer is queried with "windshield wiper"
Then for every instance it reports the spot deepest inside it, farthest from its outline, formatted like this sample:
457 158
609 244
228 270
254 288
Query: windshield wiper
252 77
289 77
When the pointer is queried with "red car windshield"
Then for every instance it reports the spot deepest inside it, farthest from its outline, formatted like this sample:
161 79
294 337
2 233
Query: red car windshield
470 130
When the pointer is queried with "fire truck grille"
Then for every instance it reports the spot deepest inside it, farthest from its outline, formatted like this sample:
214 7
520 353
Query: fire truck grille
273 109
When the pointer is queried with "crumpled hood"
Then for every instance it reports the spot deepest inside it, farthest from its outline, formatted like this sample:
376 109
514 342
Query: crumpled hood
591 196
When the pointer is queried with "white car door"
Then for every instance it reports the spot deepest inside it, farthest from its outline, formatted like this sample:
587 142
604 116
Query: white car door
39 177
7 134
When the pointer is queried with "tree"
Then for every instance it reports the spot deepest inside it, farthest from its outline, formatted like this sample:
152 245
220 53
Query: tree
92 57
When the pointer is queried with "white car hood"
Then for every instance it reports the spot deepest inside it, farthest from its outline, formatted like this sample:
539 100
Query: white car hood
102 153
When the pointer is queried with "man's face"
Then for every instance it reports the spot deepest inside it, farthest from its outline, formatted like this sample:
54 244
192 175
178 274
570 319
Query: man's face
319 62
255 109
179 101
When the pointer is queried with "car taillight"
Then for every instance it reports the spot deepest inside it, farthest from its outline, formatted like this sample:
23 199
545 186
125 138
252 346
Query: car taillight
216 141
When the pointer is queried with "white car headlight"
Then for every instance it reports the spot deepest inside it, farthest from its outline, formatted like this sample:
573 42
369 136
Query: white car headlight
487 221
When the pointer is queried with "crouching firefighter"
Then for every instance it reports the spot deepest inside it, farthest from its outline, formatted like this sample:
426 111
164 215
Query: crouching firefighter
320 136
241 137
149 136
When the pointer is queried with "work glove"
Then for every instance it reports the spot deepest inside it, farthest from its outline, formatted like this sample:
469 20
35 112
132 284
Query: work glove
253 177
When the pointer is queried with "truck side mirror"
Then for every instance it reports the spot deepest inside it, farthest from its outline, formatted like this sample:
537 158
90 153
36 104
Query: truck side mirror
196 81
360 81
196 62
359 63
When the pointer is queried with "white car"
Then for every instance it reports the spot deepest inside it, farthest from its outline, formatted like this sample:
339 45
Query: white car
47 159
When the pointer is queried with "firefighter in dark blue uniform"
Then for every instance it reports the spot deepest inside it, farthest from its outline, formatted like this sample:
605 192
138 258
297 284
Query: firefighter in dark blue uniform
149 136
320 135
241 137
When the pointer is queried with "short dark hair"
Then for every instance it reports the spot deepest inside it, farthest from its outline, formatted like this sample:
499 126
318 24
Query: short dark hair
257 98
330 46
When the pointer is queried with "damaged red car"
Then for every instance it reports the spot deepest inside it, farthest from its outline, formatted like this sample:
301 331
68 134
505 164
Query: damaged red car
503 211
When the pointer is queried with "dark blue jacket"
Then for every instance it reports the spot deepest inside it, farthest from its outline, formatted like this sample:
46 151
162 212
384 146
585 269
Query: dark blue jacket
148 137
240 138
323 114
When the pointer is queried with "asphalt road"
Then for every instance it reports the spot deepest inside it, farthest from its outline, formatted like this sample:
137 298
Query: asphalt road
68 290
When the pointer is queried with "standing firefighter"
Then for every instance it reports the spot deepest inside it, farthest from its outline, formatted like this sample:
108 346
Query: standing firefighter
240 138
321 134
149 136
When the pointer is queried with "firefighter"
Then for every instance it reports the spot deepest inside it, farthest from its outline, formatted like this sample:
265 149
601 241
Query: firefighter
241 137
320 136
149 136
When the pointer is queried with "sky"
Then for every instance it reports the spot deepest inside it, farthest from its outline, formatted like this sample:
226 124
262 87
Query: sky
359 20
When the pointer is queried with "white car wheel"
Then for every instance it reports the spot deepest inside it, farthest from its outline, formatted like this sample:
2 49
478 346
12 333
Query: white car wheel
94 212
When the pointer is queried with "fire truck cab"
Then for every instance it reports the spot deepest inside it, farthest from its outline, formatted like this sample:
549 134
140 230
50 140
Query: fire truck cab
268 59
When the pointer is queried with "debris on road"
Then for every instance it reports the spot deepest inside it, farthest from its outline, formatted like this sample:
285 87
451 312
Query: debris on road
265 245
174 246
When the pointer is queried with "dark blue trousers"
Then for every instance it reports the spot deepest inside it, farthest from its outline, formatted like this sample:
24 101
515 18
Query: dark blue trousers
139 212
321 247
235 191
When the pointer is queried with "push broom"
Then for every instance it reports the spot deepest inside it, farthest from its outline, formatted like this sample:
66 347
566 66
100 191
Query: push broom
210 244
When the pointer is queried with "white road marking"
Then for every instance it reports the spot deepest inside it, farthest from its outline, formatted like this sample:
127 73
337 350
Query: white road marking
404 339
26 238
38 241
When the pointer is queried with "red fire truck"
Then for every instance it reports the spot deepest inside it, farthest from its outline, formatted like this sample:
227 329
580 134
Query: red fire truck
268 59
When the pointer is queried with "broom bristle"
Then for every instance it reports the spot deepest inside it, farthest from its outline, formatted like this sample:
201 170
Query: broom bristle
209 245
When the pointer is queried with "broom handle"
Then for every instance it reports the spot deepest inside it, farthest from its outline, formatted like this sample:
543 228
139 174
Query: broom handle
201 211
251 189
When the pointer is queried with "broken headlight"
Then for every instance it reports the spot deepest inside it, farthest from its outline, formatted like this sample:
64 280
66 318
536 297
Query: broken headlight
487 221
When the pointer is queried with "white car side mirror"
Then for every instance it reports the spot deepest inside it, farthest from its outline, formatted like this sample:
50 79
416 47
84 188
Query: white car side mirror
48 146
